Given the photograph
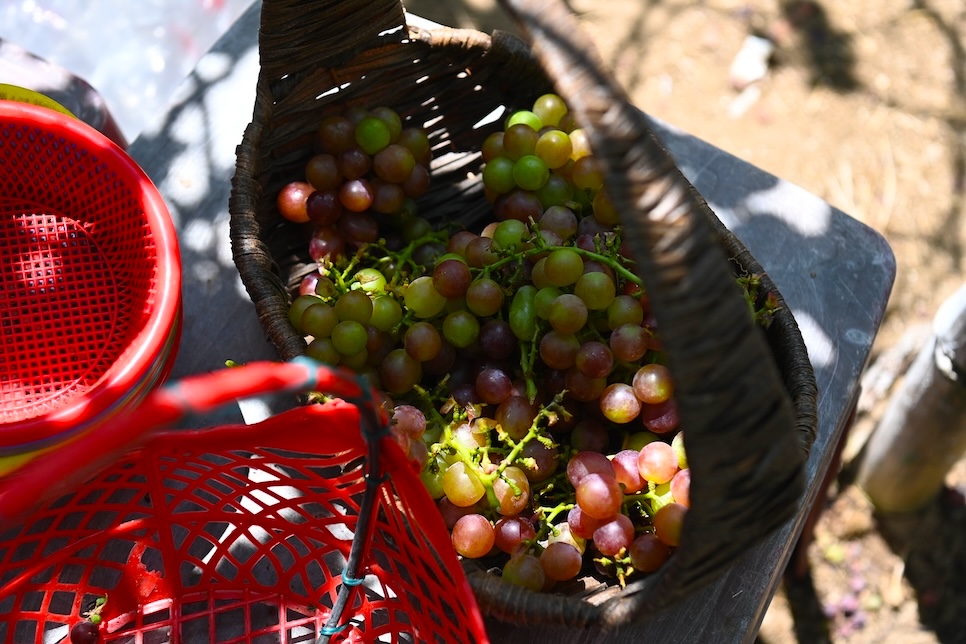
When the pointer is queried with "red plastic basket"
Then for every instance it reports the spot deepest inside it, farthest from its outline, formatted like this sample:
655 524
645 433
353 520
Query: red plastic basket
90 281
298 527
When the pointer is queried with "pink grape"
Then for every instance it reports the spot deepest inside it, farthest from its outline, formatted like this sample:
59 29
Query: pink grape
512 502
582 524
652 384
681 487
587 462
410 420
473 536
513 531
561 561
614 535
599 496
648 553
657 462
661 418
619 404
669 523
627 472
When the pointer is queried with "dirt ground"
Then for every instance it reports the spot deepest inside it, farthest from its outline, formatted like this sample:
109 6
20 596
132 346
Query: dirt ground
864 104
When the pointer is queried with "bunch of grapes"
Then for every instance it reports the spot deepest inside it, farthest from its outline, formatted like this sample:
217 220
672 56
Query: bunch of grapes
367 172
520 363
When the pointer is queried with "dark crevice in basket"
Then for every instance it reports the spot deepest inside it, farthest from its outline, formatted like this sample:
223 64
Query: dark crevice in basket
748 394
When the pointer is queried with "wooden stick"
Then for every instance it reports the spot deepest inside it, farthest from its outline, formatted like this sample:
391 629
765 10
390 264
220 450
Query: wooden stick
923 431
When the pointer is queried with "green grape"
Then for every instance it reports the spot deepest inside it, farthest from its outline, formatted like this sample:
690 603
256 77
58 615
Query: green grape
597 290
564 266
554 148
498 175
461 328
624 310
525 570
581 144
388 116
568 313
530 172
370 280
678 444
638 440
669 523
432 479
557 191
511 235
544 299
372 134
550 109
319 319
386 312
323 350
538 274
416 228
527 118
423 299
461 485
297 308
356 361
349 337
355 306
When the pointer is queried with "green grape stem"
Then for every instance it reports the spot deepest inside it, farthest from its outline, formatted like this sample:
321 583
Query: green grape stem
607 260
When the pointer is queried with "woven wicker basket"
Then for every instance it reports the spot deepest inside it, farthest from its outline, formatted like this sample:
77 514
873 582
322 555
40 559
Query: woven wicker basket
747 397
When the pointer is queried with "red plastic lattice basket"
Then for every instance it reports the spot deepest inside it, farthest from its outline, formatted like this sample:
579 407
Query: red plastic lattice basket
90 281
272 532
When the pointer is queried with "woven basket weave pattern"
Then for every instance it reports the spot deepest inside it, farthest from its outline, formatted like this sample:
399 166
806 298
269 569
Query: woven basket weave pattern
748 398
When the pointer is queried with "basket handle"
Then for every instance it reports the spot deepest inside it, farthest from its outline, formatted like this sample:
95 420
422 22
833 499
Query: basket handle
738 419
59 470
290 28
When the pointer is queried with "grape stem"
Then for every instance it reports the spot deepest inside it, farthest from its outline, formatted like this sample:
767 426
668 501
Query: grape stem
608 260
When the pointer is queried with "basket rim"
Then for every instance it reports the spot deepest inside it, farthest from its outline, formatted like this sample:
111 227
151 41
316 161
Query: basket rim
151 351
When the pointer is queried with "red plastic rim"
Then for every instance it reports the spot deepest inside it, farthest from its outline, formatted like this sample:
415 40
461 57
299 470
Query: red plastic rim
90 279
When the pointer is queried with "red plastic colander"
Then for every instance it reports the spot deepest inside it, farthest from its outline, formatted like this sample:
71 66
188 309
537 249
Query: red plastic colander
311 526
90 281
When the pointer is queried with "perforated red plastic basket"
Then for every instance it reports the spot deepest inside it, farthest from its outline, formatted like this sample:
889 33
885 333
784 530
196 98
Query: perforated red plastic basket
311 524
90 281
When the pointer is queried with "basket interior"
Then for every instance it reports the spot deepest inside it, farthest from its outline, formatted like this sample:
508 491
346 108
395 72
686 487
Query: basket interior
223 545
458 96
79 276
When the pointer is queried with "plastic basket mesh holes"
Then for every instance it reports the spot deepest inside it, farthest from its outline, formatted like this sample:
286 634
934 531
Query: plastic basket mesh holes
226 547
77 273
